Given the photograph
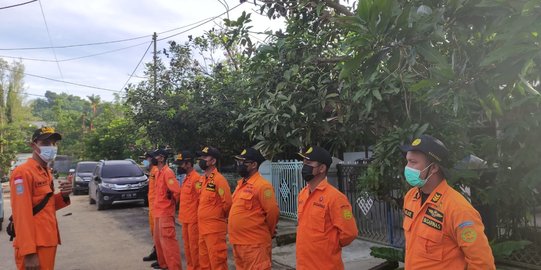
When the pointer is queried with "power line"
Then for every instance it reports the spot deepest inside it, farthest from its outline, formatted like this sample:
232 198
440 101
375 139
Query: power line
136 67
72 83
18 5
75 58
51 41
200 24
115 41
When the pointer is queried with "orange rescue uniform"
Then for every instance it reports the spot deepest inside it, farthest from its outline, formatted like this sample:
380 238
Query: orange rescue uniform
29 183
187 215
446 232
151 196
214 205
326 224
167 191
252 223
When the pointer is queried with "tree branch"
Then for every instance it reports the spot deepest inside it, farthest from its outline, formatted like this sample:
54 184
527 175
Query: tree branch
339 8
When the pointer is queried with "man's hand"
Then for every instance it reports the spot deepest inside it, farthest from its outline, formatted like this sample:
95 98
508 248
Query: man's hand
65 188
31 261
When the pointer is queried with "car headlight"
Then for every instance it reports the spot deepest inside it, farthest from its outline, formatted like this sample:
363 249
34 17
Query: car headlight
144 183
79 179
107 185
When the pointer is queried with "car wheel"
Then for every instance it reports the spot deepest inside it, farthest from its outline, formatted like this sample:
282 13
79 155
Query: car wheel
101 204
90 200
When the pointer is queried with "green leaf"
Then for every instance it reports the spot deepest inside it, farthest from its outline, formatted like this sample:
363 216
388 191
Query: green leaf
377 94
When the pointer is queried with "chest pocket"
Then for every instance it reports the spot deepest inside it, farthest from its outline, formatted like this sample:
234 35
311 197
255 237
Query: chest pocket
210 196
187 187
429 243
247 198
317 218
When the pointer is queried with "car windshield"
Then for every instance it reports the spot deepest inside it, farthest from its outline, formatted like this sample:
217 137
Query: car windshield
86 167
121 170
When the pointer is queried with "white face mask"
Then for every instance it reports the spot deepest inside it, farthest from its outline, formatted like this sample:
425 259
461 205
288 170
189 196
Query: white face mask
48 153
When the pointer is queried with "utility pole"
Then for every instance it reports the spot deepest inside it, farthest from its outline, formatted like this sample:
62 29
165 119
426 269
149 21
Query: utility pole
155 63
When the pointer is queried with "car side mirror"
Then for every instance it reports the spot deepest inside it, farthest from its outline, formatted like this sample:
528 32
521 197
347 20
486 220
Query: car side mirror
97 179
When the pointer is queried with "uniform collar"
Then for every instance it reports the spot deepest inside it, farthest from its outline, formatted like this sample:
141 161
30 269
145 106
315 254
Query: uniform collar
436 194
35 163
322 186
253 178
212 173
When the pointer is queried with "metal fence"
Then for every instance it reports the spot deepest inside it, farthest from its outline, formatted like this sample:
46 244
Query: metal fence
377 221
287 182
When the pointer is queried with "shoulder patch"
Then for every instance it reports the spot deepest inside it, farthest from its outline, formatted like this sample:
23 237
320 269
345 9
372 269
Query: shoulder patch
408 213
347 214
435 214
18 181
432 223
466 223
468 235
267 193
171 181
436 197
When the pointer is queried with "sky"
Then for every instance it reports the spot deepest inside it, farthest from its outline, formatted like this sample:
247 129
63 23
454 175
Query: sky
81 22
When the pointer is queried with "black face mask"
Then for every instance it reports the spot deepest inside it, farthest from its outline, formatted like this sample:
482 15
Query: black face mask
307 172
242 169
203 164
181 170
154 161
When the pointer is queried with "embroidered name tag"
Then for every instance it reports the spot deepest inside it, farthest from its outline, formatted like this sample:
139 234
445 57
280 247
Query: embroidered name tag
432 223
408 213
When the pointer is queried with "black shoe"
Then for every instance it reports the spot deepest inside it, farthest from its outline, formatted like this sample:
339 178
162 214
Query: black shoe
155 265
151 257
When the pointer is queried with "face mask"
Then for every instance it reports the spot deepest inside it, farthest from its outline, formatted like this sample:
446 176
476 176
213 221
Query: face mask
413 176
180 178
181 170
47 153
242 170
203 164
146 164
307 172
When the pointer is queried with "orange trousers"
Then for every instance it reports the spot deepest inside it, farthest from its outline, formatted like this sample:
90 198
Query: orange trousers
190 236
213 251
253 257
46 258
167 247
151 221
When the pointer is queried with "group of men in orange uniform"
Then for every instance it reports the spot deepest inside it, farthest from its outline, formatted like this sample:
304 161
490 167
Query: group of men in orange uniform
442 229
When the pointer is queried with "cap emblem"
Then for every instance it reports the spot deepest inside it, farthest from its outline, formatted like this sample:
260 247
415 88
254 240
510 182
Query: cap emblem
416 142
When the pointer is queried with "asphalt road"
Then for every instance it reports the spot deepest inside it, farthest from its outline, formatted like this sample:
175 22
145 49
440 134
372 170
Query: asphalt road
117 238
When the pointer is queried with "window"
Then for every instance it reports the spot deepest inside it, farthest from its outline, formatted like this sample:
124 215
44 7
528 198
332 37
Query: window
86 167
121 170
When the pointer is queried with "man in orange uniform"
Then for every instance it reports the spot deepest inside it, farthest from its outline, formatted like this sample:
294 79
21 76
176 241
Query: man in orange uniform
253 216
326 223
167 192
214 205
189 201
442 229
150 165
37 235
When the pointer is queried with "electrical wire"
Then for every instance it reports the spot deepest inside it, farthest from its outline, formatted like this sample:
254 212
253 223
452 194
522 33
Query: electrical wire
136 67
200 24
72 83
18 5
51 41
115 41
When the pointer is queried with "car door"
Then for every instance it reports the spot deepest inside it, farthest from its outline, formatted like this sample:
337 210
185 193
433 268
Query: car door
92 185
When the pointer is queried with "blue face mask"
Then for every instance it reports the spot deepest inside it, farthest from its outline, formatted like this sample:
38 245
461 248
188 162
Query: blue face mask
413 176
146 163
